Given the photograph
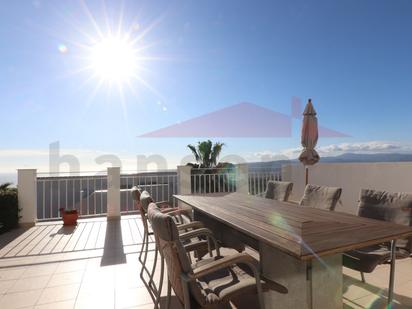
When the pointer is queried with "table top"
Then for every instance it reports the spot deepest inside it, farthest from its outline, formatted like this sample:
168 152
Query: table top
303 232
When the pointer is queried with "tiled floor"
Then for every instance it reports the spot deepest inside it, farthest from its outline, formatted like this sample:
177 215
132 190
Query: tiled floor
95 265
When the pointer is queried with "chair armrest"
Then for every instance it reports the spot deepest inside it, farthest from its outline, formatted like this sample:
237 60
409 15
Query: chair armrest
205 232
196 233
168 209
196 245
293 202
176 212
190 225
239 258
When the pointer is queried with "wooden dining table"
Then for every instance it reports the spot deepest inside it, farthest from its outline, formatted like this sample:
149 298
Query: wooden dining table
299 247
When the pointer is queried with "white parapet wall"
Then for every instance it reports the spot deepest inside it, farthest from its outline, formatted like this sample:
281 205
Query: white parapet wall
351 177
113 193
27 195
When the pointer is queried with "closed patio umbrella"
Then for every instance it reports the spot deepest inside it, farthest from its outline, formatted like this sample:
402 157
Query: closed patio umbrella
309 138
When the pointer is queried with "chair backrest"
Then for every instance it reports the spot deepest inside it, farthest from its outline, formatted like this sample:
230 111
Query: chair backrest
321 197
136 192
278 190
171 248
387 206
145 200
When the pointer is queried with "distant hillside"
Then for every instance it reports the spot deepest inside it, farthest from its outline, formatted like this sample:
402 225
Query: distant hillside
343 158
375 157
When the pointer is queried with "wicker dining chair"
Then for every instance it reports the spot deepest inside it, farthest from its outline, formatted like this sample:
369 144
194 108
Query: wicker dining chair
278 190
210 282
385 206
198 240
321 197
200 247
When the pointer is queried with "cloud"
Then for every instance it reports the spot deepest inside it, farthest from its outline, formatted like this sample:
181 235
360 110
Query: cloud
337 149
23 153
373 146
88 159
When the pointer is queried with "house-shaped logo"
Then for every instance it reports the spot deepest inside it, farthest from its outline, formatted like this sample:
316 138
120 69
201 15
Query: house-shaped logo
242 120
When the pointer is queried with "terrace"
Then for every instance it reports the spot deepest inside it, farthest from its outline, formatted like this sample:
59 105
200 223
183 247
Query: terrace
95 264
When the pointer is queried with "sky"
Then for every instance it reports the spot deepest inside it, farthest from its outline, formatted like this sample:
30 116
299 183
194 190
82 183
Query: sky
353 58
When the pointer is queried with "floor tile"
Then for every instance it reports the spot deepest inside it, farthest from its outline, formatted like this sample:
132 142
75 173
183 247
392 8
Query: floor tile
5 285
59 293
65 278
39 270
28 284
130 297
11 273
57 305
20 299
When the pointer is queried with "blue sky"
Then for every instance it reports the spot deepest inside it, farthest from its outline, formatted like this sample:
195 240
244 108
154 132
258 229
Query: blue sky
353 58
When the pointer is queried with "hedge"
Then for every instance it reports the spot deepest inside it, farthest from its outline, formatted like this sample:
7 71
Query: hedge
9 208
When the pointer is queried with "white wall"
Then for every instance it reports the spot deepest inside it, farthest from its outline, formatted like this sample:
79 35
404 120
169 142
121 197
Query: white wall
351 177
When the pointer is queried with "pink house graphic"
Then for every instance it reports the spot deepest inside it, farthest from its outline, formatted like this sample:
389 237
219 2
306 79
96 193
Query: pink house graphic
242 120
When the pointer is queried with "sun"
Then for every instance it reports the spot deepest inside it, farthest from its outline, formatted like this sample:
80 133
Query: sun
114 59
113 56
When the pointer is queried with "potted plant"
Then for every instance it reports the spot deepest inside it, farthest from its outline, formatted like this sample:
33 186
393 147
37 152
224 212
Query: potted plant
69 216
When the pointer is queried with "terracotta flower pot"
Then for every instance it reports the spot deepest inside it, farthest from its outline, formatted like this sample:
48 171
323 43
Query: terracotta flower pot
69 216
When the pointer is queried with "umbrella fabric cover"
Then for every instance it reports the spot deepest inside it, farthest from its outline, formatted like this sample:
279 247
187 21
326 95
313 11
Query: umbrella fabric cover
309 138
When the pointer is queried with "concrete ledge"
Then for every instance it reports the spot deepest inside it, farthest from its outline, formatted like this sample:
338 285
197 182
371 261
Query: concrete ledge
27 224
113 218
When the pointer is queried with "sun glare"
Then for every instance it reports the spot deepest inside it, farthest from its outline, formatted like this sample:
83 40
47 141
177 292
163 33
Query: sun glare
112 56
114 59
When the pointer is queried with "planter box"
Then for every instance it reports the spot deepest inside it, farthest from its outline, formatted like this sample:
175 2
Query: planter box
69 217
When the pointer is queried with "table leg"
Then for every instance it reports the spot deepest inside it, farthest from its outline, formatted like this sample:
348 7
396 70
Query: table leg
392 273
311 284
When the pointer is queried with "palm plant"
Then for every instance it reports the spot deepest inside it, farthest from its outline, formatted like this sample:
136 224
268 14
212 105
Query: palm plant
206 153
5 187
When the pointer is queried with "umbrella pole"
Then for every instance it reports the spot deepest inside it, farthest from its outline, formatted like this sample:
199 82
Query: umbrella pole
306 175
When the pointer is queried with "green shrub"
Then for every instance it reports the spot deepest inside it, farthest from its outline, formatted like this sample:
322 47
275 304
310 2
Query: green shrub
9 208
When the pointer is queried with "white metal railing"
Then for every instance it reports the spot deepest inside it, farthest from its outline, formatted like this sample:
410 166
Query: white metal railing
84 193
213 180
161 186
88 194
259 177
219 180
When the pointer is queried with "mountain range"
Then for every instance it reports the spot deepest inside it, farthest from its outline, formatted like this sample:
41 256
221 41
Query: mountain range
344 158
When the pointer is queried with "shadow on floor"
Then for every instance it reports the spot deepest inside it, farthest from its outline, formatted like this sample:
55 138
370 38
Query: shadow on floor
65 230
401 301
11 235
113 252
241 302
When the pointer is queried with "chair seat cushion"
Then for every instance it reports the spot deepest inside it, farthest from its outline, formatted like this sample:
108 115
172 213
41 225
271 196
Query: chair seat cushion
366 259
228 283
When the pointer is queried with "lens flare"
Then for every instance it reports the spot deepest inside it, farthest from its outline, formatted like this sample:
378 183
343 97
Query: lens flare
62 48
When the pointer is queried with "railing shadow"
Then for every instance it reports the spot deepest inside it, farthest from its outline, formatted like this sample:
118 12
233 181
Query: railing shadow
12 235
113 252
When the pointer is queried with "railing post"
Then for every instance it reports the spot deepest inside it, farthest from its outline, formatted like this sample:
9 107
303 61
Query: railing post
113 193
184 180
286 172
242 178
183 176
27 196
